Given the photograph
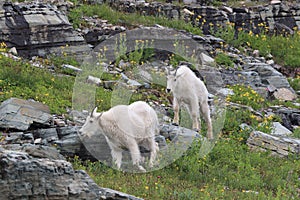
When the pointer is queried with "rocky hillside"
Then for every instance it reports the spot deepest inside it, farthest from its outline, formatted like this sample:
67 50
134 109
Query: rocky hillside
36 144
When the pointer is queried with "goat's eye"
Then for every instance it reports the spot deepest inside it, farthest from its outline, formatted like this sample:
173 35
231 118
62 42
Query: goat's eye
91 121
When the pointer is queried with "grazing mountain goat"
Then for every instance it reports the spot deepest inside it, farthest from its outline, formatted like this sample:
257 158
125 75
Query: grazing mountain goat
191 91
126 126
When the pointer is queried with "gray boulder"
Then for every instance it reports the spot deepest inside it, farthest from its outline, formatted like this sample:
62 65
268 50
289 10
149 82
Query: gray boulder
20 114
25 177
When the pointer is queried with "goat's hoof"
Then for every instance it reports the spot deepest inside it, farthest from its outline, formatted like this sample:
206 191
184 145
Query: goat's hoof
175 124
197 130
142 169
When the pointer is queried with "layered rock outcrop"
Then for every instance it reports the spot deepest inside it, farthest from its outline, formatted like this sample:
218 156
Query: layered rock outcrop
25 177
39 29
277 16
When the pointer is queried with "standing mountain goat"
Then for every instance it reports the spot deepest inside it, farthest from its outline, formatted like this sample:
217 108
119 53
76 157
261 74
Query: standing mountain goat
189 90
126 126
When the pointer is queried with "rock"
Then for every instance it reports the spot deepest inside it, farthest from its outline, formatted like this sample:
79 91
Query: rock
107 193
47 135
97 147
99 30
13 51
284 94
20 114
71 67
37 151
213 79
172 132
18 138
109 84
93 80
69 143
39 29
189 1
207 60
256 53
281 146
289 117
134 83
225 92
59 122
186 11
25 177
279 130
275 2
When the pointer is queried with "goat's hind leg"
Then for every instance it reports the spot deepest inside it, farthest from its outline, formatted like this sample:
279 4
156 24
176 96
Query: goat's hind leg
153 147
193 109
206 115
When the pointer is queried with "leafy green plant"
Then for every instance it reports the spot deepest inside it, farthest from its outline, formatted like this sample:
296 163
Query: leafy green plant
296 133
295 83
225 60
247 96
142 52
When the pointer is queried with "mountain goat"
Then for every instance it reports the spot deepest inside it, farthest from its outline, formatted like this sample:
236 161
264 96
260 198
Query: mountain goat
189 90
126 126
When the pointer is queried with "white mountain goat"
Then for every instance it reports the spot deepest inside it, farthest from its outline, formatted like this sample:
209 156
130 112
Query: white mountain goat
189 90
126 126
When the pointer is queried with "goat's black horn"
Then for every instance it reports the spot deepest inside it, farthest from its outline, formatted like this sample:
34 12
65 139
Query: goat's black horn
176 71
94 110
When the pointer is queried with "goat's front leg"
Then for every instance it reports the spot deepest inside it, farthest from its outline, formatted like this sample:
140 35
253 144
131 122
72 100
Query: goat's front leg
116 154
176 111
136 155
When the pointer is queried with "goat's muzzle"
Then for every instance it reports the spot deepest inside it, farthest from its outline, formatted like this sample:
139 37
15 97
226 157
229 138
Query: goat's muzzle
168 90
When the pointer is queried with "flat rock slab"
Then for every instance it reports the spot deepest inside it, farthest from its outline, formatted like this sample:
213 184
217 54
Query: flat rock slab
19 114
281 146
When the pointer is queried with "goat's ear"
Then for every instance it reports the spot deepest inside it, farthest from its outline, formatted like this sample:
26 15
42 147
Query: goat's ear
94 112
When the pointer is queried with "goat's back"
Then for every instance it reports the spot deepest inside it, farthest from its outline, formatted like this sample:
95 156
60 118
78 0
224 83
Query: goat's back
134 120
188 84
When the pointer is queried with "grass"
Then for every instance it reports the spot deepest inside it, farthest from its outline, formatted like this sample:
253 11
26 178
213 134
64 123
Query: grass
295 83
283 47
224 60
132 20
19 79
296 133
230 171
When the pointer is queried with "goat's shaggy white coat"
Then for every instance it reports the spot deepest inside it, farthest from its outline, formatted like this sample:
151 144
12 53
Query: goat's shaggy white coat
189 90
126 126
